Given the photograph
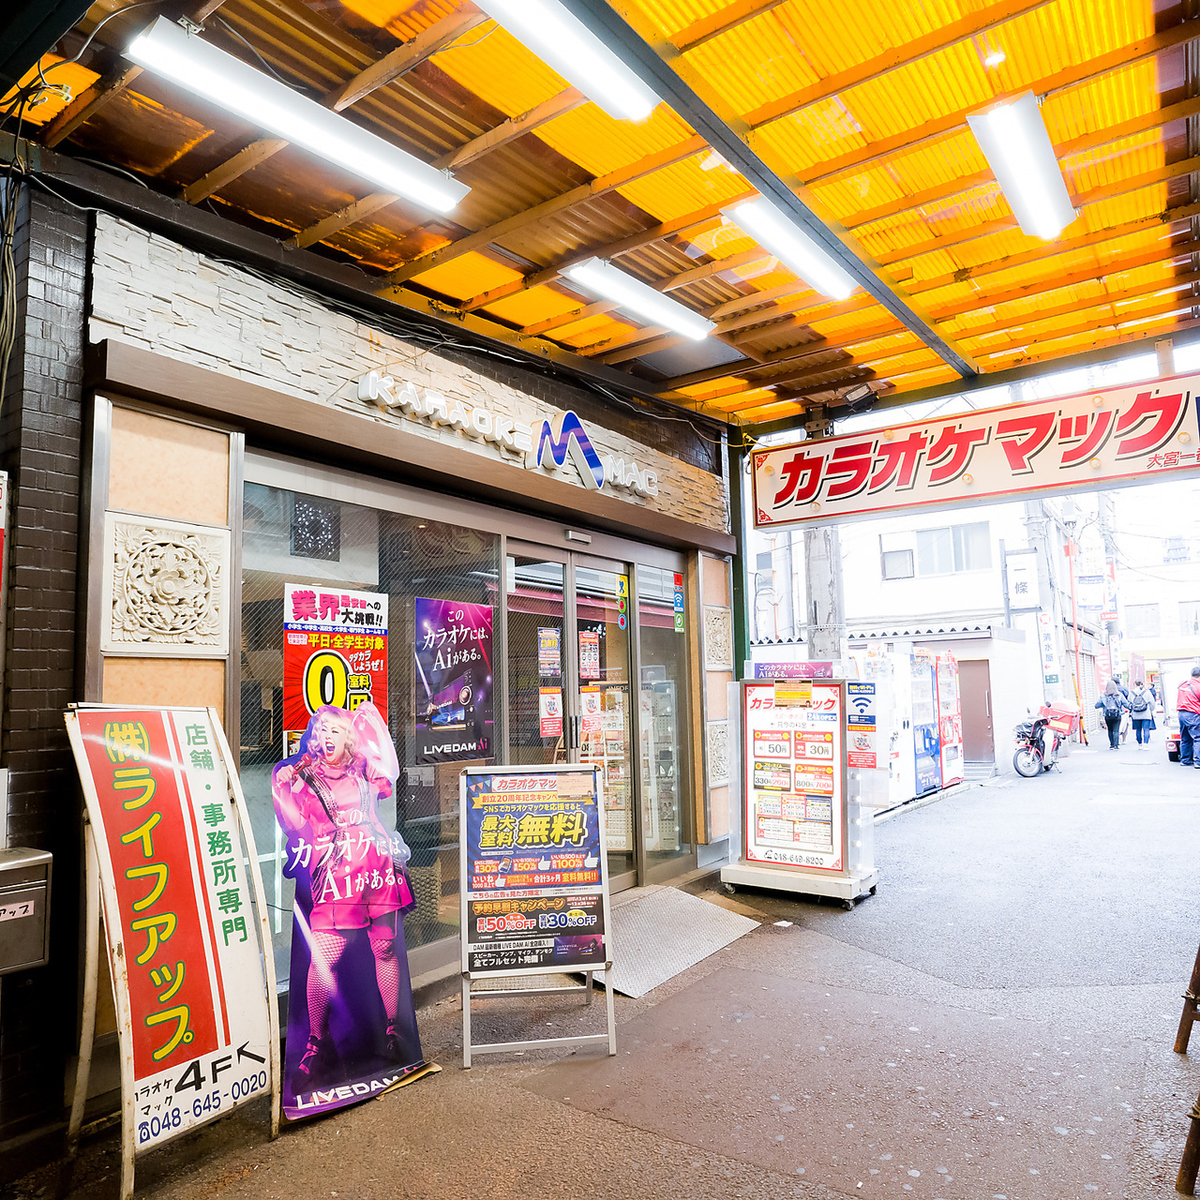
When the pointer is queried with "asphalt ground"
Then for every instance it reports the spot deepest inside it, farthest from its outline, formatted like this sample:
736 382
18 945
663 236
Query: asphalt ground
995 1024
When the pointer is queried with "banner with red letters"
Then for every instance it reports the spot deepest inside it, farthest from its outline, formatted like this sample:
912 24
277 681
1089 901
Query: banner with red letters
1142 432
178 877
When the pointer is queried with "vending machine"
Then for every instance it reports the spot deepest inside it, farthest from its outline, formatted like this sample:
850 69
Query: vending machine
926 738
949 707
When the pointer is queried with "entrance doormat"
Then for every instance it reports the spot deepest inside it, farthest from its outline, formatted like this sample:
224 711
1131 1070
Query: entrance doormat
660 932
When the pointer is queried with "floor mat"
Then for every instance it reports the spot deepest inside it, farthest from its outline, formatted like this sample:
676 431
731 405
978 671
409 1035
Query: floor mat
657 935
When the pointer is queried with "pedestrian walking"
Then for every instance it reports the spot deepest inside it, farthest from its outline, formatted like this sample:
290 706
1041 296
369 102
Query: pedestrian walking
1187 706
1114 704
1141 710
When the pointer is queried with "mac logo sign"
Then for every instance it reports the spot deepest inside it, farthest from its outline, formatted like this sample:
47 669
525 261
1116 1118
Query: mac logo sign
544 445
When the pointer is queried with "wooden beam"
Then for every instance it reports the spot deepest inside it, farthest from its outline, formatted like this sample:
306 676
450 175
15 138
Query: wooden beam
712 26
569 318
589 191
1091 141
1113 233
89 102
106 89
689 225
476 148
855 162
403 58
855 374
1041 287
1120 340
406 57
1112 321
1107 191
508 131
1004 324
892 59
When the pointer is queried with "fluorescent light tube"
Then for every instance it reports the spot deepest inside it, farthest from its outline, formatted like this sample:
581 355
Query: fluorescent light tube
604 279
792 246
562 41
1014 140
192 63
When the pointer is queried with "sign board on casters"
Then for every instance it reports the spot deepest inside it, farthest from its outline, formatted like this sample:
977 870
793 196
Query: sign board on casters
795 835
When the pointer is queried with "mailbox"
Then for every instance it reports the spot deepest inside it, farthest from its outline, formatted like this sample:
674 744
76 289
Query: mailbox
24 909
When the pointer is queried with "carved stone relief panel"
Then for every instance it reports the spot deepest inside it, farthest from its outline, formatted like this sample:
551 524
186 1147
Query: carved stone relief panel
718 753
166 588
718 638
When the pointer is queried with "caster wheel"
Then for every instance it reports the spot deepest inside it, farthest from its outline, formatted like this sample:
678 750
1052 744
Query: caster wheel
873 890
848 905
730 889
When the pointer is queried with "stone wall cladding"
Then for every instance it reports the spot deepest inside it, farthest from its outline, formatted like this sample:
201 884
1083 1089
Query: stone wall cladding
150 292
40 448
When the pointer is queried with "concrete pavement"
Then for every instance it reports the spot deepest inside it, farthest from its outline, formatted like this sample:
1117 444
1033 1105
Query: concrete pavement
995 1024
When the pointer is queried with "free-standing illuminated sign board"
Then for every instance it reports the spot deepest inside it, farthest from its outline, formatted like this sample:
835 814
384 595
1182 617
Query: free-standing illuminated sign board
1141 433
794 794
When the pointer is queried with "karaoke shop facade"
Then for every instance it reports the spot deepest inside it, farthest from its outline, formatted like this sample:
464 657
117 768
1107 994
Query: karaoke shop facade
176 422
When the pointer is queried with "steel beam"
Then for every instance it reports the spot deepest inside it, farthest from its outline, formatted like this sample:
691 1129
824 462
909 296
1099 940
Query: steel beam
612 29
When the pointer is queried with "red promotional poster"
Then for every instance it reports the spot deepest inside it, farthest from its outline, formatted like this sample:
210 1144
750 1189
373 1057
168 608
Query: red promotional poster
335 652
184 938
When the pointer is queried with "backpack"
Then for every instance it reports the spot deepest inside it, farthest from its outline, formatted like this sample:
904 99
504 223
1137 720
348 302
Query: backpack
1138 702
1112 705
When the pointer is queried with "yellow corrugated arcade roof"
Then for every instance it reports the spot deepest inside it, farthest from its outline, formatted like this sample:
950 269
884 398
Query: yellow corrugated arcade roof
860 107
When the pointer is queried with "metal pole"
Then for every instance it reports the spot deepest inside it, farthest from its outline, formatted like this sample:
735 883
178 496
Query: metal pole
1004 586
1072 551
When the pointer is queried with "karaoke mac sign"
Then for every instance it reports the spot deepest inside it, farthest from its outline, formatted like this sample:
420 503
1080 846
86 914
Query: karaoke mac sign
1140 433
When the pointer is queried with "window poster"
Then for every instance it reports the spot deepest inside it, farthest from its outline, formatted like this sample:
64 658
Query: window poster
550 712
795 783
335 651
549 651
193 991
589 654
533 894
454 681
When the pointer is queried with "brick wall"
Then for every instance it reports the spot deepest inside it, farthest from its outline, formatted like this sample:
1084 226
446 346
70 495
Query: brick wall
150 292
40 448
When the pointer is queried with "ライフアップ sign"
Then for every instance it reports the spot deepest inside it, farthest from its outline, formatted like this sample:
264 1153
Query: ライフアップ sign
1143 432
533 896
335 651
454 681
183 935
794 765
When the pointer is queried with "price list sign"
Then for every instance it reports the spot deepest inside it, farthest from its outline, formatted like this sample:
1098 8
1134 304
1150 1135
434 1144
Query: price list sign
535 896
794 776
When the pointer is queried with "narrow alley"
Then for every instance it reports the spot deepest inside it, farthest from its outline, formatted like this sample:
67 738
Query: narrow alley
996 1023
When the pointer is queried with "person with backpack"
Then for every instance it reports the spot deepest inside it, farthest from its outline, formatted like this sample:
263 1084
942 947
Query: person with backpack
1187 706
1141 709
1114 704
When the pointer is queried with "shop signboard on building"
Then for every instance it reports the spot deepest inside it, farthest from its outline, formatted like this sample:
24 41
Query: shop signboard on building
454 680
335 651
1138 433
184 912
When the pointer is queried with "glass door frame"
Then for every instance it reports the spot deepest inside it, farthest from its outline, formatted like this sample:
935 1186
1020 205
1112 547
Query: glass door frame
641 873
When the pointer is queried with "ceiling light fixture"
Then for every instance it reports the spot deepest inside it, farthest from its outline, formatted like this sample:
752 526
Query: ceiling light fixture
604 279
562 41
1014 140
789 243
187 60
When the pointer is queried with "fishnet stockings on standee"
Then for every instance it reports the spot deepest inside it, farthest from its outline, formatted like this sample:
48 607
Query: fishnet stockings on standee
327 951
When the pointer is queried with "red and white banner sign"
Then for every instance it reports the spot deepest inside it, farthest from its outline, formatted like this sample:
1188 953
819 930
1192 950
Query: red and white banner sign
1145 431
185 939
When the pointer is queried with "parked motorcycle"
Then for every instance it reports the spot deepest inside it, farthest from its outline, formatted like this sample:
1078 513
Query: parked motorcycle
1033 754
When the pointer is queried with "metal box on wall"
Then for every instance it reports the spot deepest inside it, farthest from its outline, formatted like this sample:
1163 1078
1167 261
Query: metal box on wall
24 909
